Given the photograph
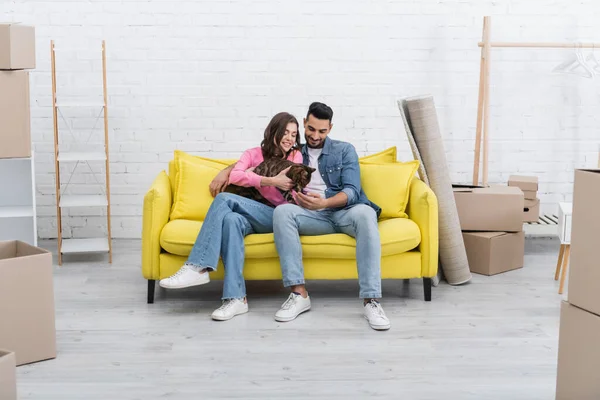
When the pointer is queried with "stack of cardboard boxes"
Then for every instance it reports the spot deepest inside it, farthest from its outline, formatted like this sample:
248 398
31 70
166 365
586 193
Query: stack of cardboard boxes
17 54
27 332
529 186
578 352
491 219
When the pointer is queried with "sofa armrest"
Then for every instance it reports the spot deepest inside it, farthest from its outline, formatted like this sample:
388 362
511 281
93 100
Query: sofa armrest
423 210
157 208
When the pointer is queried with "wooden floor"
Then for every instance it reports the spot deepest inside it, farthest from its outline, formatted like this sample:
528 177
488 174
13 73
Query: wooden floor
495 338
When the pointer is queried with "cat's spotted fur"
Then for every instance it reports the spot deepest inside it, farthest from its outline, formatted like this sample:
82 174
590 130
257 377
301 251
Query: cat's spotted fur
299 174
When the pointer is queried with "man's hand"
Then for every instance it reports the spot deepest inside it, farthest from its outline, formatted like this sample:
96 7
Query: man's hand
220 182
311 201
280 181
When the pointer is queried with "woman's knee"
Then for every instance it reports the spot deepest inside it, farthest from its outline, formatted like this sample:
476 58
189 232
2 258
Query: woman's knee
223 196
233 218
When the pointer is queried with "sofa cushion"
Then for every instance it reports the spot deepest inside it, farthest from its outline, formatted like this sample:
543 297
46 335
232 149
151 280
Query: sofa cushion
386 156
194 165
192 196
397 235
388 185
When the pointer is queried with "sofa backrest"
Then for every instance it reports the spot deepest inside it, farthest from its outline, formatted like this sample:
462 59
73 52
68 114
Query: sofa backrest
387 155
171 174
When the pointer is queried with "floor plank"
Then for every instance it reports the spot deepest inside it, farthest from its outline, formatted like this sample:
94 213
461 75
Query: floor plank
494 338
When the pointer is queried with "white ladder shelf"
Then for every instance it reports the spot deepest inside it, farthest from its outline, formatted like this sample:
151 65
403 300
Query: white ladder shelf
65 200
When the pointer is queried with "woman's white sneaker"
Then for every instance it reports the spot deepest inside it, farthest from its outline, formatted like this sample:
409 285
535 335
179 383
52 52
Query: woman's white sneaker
185 277
229 309
376 317
292 307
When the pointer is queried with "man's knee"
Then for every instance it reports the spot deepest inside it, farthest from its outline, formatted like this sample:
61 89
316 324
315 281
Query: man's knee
285 212
363 214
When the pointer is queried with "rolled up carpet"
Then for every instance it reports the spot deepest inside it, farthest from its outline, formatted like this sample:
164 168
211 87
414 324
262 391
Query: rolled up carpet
424 135
411 141
422 173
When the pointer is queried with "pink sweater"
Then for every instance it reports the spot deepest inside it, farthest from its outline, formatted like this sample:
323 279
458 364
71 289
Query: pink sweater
251 158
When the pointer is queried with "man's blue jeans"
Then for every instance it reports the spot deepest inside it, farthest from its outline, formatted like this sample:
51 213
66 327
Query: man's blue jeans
360 221
229 220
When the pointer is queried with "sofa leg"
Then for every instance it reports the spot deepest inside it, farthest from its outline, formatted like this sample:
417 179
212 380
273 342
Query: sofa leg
427 288
151 286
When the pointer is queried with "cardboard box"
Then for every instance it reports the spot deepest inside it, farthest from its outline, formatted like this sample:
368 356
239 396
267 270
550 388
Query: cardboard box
27 302
531 211
491 253
584 269
15 125
530 194
8 375
528 184
494 208
578 355
17 46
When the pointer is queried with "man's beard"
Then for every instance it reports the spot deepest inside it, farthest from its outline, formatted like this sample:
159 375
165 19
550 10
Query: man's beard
319 146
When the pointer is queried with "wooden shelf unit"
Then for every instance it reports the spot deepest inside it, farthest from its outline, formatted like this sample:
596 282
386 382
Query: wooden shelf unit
64 200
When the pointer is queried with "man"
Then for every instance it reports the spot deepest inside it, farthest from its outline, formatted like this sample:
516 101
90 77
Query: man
334 203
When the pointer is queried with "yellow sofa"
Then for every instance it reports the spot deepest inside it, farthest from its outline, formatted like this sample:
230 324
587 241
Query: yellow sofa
409 246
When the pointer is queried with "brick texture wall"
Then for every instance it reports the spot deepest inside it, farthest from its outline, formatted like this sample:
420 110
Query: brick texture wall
206 76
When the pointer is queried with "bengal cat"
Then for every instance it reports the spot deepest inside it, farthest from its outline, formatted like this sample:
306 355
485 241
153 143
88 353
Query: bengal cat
299 174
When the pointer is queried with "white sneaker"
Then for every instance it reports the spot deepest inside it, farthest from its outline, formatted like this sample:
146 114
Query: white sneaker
185 277
376 317
229 309
293 306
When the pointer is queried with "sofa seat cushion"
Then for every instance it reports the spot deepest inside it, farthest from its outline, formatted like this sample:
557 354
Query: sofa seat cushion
397 235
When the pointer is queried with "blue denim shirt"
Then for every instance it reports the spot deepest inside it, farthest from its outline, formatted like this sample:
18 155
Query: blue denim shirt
339 168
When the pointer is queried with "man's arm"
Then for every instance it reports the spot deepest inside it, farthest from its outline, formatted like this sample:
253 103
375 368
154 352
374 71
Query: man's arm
350 175
350 181
220 182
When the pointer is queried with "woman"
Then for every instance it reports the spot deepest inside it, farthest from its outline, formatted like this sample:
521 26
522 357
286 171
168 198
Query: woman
231 217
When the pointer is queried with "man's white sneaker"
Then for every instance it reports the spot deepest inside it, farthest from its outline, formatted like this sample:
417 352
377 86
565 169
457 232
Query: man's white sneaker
229 309
292 307
376 317
185 277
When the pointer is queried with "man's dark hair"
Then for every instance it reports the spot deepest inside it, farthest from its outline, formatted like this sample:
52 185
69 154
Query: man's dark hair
320 111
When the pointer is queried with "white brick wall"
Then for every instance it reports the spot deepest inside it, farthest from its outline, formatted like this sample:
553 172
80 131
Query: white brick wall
205 76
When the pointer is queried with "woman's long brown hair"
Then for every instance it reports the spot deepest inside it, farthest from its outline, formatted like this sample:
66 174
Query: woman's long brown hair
274 132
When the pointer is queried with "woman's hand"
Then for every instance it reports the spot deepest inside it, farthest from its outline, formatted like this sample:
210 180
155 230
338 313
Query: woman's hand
220 182
281 181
